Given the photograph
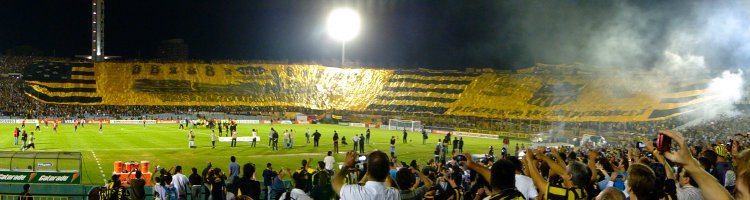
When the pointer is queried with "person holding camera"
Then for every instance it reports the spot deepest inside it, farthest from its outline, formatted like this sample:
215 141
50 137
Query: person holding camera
378 184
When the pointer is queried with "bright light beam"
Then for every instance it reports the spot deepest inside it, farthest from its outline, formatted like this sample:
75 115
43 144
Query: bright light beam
343 25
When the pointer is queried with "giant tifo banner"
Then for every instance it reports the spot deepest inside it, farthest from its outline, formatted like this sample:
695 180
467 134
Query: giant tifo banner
525 94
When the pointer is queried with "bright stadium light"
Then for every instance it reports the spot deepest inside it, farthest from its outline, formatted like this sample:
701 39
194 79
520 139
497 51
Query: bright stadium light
343 25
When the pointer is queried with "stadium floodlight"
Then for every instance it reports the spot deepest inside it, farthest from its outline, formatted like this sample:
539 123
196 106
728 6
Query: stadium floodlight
343 25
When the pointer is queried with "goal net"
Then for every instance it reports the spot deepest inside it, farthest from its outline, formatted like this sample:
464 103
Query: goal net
409 125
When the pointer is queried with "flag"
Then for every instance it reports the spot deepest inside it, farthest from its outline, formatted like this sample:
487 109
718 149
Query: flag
56 82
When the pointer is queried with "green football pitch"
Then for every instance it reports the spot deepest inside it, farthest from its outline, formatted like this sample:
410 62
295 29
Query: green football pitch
166 145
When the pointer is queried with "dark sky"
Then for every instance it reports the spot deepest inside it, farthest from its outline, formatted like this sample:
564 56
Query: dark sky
404 33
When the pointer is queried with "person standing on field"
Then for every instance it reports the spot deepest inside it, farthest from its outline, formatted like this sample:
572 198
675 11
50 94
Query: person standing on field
307 135
15 136
316 138
255 138
405 136
335 142
191 139
213 139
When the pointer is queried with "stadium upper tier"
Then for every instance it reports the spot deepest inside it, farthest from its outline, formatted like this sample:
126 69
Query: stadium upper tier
557 93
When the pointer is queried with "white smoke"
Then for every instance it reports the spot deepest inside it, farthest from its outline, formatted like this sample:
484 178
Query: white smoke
720 97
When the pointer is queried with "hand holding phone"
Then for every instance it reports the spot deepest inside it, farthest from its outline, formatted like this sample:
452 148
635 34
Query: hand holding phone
459 158
663 143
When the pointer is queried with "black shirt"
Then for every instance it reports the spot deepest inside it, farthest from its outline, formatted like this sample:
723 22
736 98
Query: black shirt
195 179
250 188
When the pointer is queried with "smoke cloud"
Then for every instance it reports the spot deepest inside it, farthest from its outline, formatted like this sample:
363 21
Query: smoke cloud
667 42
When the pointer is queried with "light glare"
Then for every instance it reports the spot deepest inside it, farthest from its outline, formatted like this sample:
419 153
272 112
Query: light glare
343 24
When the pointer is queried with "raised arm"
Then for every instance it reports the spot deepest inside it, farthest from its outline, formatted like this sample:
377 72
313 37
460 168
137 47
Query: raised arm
593 155
539 181
424 178
340 176
481 170
710 187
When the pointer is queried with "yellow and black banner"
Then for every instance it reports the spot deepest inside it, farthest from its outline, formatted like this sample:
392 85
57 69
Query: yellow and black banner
525 94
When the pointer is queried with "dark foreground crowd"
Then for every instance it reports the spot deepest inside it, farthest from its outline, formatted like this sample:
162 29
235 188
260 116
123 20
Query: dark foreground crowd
716 170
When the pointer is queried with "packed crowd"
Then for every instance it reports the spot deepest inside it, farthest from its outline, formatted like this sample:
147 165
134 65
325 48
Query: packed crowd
653 169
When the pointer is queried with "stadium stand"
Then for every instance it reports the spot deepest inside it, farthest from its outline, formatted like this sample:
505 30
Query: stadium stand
550 93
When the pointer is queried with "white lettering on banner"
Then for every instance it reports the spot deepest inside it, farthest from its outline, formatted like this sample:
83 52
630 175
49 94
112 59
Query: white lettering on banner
265 121
244 121
7 121
239 139
285 122
47 178
68 121
130 121
47 164
303 122
357 124
444 132
479 135
8 177
28 121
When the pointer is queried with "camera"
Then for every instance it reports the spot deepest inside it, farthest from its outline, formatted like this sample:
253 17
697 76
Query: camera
663 142
640 145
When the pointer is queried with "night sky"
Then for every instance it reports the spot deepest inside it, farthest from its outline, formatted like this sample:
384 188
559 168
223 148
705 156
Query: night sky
396 33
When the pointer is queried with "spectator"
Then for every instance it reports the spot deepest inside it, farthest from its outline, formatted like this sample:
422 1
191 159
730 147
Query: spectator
170 191
206 183
304 173
406 182
610 194
277 184
234 169
26 194
159 189
524 184
180 183
641 182
137 186
247 184
322 189
378 185
115 191
710 187
329 160
575 177
268 176
297 193
686 186
218 188
501 178
196 182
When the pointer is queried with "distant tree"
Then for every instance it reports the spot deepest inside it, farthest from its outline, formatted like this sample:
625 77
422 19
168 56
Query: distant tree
23 50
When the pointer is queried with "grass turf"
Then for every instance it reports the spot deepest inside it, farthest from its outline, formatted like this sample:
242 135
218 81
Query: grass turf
166 145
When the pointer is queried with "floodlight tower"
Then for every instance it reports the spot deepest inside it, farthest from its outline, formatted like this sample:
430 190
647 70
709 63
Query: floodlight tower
343 25
97 27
